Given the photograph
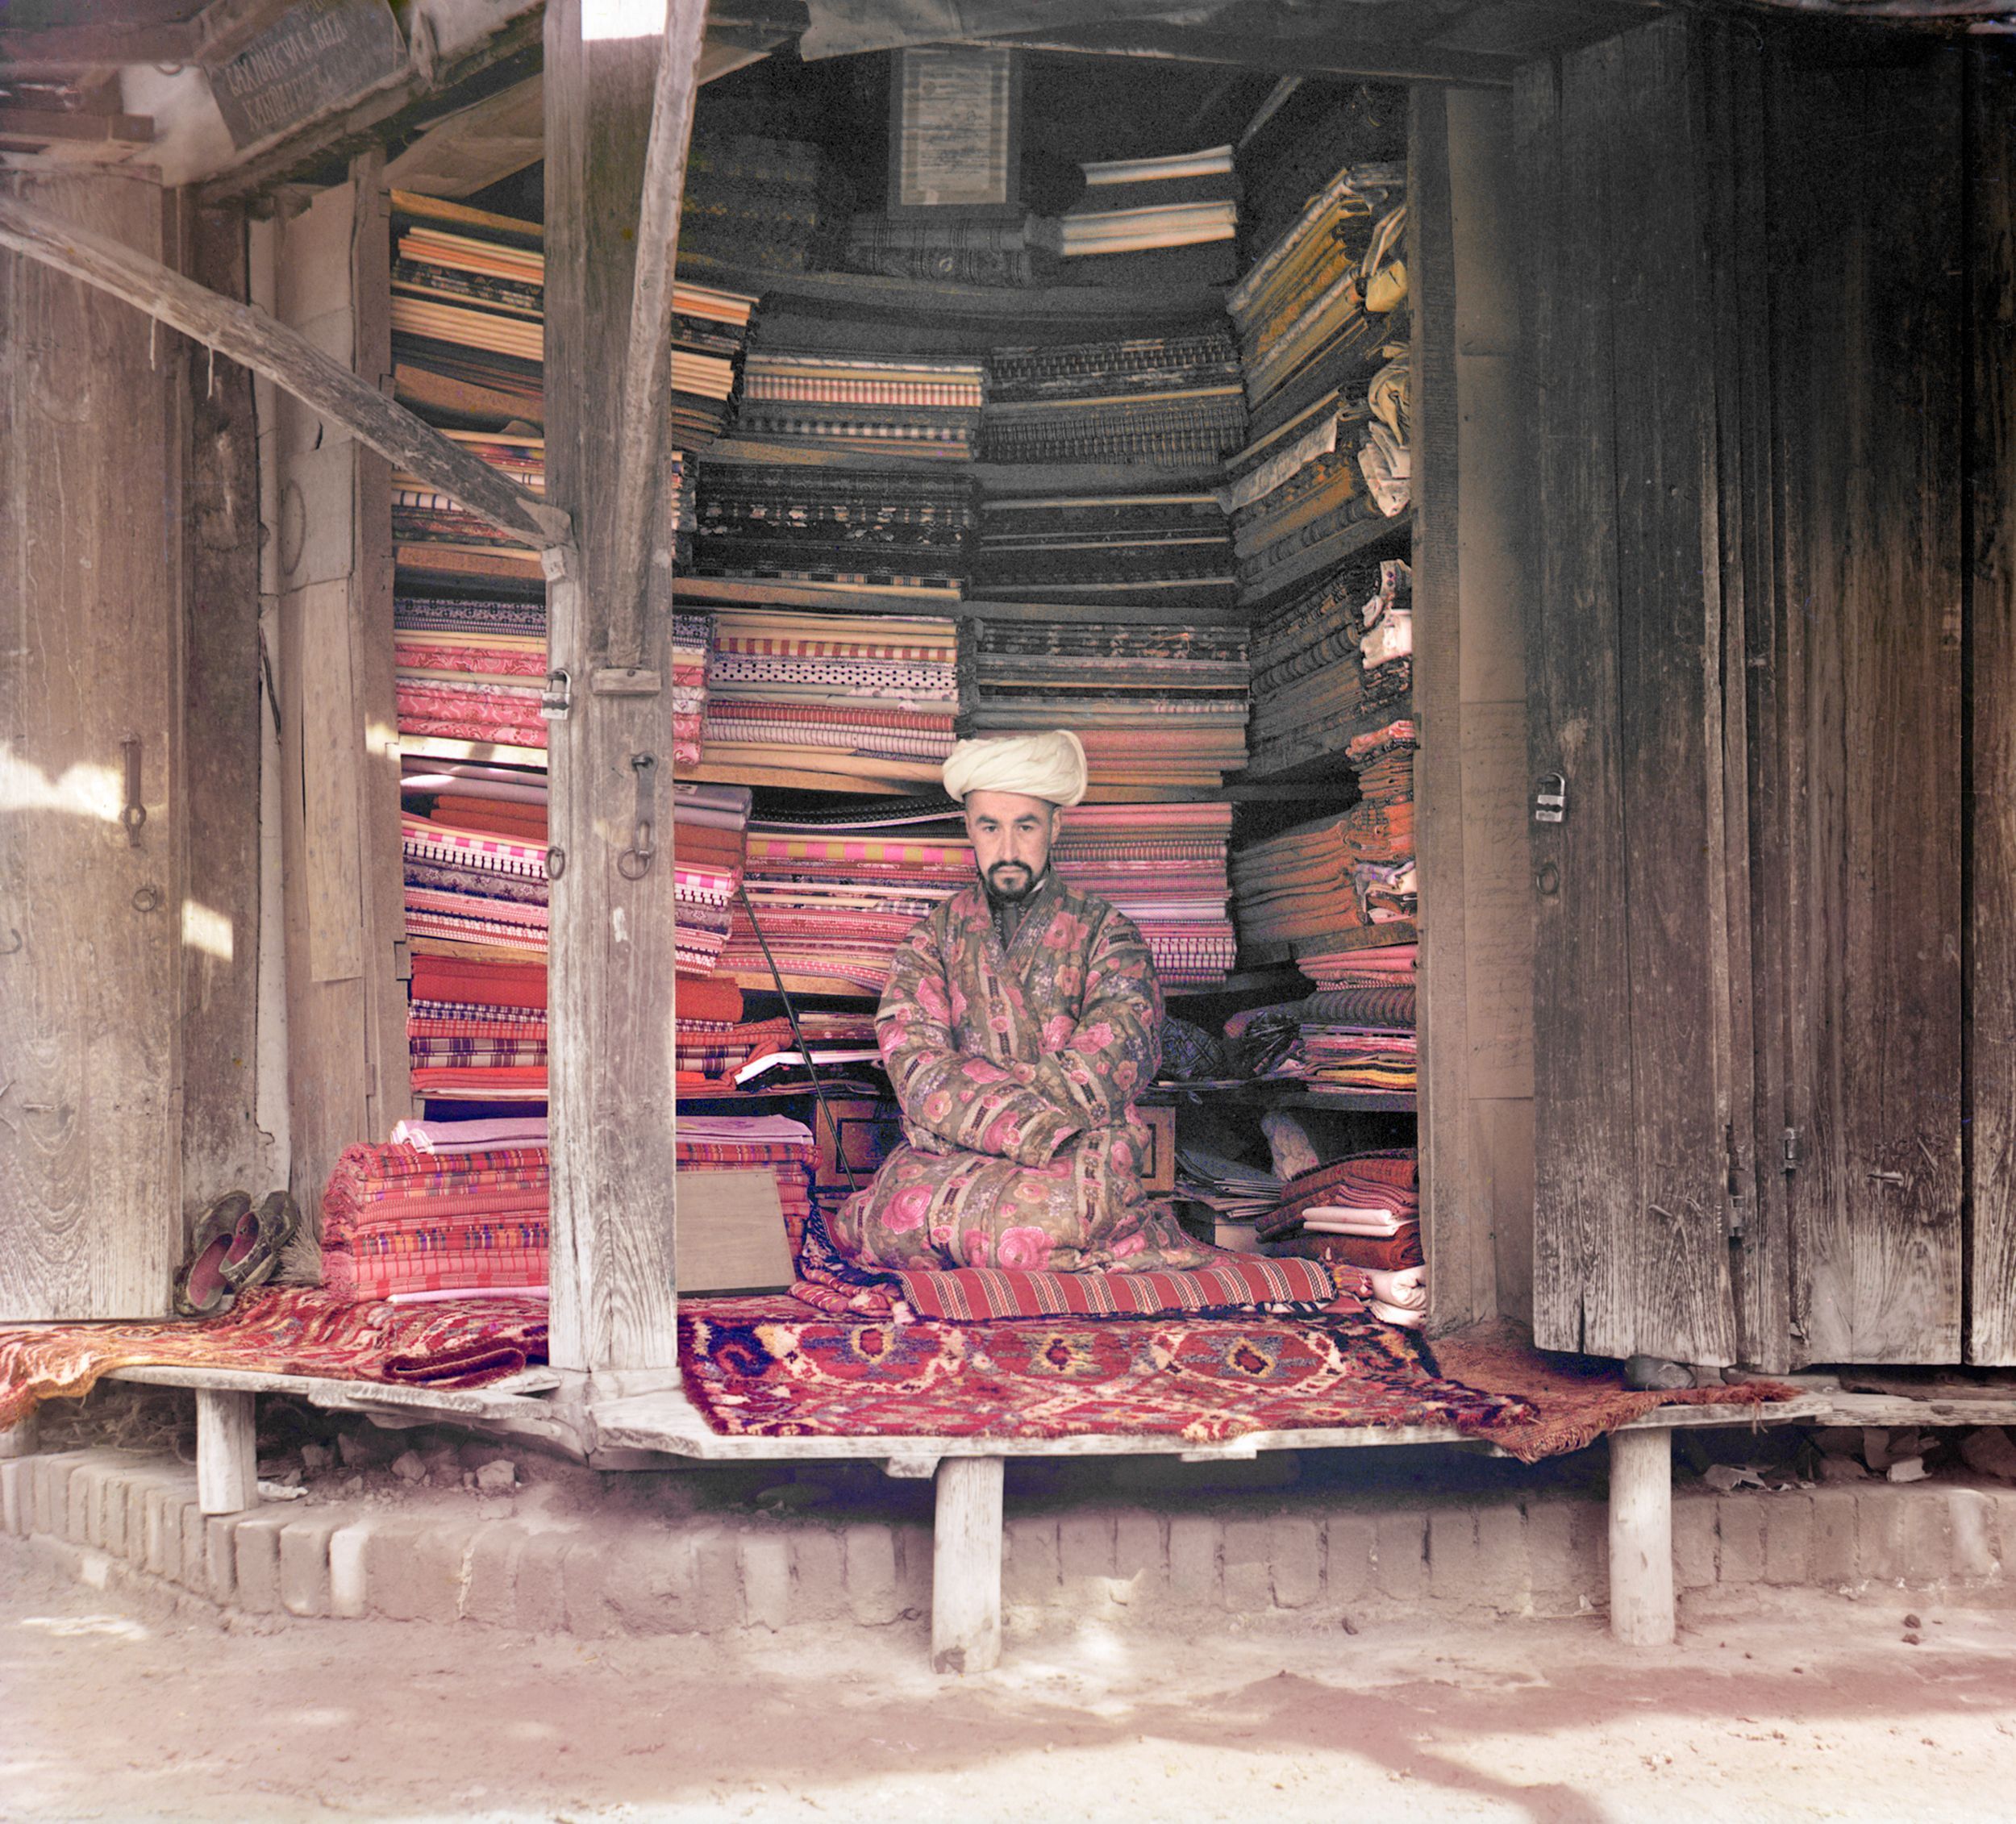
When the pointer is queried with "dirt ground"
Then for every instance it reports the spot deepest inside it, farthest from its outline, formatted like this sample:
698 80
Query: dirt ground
112 1708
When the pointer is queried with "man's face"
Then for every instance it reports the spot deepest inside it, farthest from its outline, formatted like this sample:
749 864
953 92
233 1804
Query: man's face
1011 838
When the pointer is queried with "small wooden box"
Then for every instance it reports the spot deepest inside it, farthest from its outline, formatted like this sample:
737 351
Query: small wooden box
1158 1170
868 1133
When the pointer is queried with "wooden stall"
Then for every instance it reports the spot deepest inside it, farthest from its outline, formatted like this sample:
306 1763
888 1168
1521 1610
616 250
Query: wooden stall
1710 494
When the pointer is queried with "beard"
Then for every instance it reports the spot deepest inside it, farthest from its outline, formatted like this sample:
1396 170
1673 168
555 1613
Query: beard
1013 881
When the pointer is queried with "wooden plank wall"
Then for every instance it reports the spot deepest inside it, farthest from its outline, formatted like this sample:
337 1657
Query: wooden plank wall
1633 1093
1866 308
221 711
344 935
614 1308
1991 804
1477 1127
89 923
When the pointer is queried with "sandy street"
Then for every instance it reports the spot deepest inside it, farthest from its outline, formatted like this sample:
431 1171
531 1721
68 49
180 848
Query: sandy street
112 1709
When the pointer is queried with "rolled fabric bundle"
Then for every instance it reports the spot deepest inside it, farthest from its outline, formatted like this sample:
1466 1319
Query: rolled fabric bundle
1394 1314
1407 1290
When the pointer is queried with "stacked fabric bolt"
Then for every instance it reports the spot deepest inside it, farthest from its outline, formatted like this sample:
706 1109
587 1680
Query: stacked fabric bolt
1359 1038
1323 332
450 535
1389 966
709 337
1363 1212
838 697
1172 551
467 313
692 640
833 898
466 1213
1329 656
1170 401
476 918
844 405
752 204
766 1051
1384 885
1149 222
469 672
1158 708
1299 885
902 532
1163 866
707 863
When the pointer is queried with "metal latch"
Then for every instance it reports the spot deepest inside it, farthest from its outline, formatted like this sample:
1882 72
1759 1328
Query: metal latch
134 815
1550 802
1795 1151
557 698
635 862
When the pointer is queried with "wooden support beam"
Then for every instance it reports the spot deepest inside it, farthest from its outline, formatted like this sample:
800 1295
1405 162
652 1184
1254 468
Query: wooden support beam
46 127
966 1565
642 529
215 36
1642 1537
1333 55
254 339
227 1451
610 998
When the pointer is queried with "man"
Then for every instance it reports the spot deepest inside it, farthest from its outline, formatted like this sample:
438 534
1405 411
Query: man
1019 1021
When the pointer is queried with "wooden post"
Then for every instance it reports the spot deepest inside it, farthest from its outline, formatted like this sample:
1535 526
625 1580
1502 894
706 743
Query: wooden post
227 1452
1642 1537
610 994
966 1566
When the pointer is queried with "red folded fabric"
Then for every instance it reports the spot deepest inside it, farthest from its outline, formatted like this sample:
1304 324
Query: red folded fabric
489 984
980 1294
526 822
700 997
1362 1252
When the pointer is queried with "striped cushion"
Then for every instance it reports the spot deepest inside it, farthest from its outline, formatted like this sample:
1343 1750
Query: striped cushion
1233 1282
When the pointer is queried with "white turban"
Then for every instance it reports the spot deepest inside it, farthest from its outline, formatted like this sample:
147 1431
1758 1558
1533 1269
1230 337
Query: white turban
1048 766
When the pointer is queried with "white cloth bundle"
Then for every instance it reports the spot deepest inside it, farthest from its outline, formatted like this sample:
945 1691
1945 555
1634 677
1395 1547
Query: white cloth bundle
1050 766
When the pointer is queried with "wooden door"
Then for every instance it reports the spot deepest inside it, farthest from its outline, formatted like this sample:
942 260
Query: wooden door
1865 295
1747 623
1634 1066
90 910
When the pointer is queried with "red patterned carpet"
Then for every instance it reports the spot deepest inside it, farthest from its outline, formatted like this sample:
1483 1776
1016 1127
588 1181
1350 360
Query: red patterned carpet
284 1330
769 1368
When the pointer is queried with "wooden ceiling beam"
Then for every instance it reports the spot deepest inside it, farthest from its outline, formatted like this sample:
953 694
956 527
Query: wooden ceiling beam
46 126
1329 56
256 340
213 36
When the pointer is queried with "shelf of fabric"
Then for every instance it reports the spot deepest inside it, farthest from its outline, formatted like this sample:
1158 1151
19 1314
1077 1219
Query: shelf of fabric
1268 953
1330 766
1360 535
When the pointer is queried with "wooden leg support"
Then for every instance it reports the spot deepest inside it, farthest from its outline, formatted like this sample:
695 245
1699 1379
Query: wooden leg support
1642 1537
227 1452
966 1566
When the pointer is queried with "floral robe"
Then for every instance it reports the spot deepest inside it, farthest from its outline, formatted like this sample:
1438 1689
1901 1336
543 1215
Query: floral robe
1017 1070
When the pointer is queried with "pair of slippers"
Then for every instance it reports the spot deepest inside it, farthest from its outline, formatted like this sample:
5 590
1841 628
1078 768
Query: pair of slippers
238 1245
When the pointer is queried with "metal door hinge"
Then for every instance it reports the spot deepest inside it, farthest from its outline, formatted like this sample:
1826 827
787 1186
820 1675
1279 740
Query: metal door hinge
1794 1153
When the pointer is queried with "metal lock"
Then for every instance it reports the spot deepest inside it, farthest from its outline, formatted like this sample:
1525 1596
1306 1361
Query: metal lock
1550 802
557 698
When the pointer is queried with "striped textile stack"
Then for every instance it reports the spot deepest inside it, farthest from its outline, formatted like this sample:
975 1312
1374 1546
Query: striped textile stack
727 1053
446 1208
751 204
1301 885
1170 401
707 824
833 899
476 915
806 698
692 640
862 405
1323 333
469 672
1172 551
1330 655
709 336
871 533
1163 866
1160 709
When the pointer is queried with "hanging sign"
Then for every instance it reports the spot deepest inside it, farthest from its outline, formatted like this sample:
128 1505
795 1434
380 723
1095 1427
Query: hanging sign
314 57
